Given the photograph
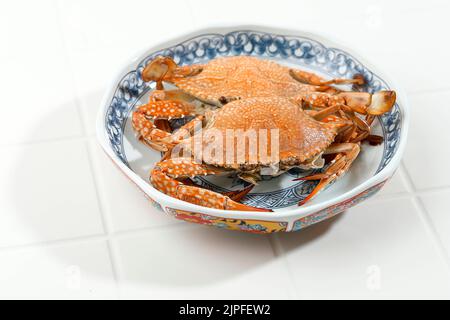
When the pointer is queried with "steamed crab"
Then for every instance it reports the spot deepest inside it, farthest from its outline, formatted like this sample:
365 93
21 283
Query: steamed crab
255 94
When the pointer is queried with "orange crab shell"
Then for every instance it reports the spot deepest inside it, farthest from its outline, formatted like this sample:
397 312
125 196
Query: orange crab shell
300 137
228 78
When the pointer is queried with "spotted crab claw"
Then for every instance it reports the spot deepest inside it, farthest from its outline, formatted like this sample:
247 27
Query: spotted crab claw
346 153
150 121
165 174
165 69
144 117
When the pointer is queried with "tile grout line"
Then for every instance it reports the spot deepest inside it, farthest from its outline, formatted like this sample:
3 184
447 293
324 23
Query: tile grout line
69 62
276 252
145 230
94 172
279 252
103 215
74 138
425 217
88 238
430 226
55 243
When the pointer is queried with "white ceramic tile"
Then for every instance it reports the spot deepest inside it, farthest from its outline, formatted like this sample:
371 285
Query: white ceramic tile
300 10
285 13
374 29
380 251
37 97
46 193
394 40
195 262
437 206
90 105
429 140
100 42
125 204
395 186
75 271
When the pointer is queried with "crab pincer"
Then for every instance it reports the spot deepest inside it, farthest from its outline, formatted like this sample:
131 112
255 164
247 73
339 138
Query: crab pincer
165 174
144 118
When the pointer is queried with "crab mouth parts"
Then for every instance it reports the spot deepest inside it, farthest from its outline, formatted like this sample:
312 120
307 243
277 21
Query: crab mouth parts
253 173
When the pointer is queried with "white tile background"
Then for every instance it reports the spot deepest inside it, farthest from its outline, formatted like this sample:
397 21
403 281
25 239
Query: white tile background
72 227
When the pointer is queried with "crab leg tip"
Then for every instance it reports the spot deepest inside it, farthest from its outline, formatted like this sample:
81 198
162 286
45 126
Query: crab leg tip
359 79
232 205
382 102
316 190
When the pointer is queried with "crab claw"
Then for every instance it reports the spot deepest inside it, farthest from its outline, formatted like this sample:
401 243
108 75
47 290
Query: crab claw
158 69
166 109
157 136
313 79
165 69
346 154
373 104
211 199
148 133
382 102
164 176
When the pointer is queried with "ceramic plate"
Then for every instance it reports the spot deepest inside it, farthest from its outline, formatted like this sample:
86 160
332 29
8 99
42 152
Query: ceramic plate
368 174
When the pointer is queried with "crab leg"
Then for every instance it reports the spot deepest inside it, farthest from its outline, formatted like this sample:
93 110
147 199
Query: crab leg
360 102
351 128
176 94
327 115
322 114
346 154
238 195
313 79
156 110
164 177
